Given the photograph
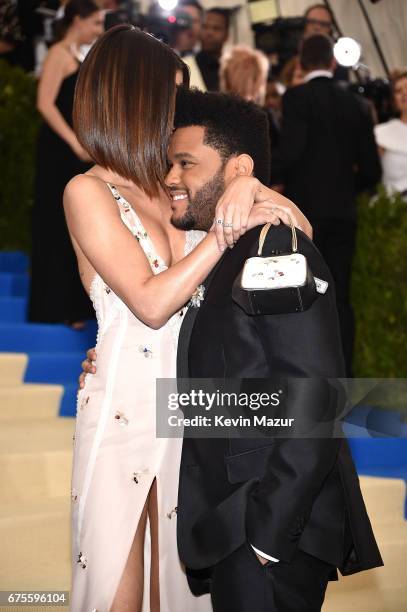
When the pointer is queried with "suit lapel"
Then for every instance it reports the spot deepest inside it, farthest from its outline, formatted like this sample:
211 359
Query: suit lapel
188 325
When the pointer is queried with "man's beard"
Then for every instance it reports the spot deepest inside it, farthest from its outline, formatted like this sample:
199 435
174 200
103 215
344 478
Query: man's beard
201 209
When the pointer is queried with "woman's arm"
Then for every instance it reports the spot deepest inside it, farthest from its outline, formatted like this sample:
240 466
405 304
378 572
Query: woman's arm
53 73
247 203
95 225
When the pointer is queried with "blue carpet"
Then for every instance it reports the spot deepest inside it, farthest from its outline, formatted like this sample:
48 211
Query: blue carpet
57 368
55 352
13 309
13 285
14 261
34 337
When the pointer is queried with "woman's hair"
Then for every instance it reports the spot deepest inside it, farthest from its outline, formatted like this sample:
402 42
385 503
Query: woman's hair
74 8
396 76
288 71
243 72
124 104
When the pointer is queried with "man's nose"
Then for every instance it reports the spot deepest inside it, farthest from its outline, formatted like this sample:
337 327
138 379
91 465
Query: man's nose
172 177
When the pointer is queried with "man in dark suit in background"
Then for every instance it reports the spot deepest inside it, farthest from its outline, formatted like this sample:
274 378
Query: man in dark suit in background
327 153
263 523
215 32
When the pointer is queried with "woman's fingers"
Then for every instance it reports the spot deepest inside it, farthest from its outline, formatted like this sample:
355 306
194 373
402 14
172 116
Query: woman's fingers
218 228
88 367
91 354
232 217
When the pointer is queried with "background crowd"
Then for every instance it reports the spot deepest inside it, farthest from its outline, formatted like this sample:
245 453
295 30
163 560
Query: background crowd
328 143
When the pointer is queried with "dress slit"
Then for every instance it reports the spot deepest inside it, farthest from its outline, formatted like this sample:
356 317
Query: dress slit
146 557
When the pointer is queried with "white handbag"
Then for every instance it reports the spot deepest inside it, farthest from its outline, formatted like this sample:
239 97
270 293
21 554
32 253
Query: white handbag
275 272
278 284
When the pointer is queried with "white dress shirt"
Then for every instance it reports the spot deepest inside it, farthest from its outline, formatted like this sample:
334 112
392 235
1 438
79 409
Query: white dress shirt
315 74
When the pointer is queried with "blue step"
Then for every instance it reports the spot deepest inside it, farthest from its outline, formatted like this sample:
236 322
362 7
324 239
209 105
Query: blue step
372 453
54 368
68 402
13 261
6 284
30 338
21 285
13 309
14 285
375 422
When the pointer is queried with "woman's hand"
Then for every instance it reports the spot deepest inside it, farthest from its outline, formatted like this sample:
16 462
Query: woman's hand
88 366
233 210
271 201
247 203
270 212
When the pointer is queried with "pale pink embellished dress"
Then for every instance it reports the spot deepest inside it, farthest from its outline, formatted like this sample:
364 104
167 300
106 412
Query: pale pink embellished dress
116 452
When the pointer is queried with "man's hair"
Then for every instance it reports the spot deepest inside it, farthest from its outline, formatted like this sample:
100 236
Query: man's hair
225 13
232 126
316 52
194 3
319 6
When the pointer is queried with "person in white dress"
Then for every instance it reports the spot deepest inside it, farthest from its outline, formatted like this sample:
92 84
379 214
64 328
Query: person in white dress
140 273
391 138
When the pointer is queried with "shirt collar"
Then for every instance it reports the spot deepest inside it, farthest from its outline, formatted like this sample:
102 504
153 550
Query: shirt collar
314 74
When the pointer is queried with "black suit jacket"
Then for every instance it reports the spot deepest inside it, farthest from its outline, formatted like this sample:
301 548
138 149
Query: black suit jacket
327 151
277 493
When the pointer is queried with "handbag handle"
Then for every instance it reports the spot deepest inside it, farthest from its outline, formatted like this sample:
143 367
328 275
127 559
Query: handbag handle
263 234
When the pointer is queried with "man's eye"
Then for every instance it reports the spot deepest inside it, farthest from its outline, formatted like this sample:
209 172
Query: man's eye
185 163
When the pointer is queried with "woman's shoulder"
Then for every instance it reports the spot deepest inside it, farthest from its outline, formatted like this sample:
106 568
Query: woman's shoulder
59 57
86 188
389 134
58 52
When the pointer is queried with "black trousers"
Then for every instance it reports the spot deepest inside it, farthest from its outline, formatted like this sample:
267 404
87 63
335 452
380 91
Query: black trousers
240 583
335 238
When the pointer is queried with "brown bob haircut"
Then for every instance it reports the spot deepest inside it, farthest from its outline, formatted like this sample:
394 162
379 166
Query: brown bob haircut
124 105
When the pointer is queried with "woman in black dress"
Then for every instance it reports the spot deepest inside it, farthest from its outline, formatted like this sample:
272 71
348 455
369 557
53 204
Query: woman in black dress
57 294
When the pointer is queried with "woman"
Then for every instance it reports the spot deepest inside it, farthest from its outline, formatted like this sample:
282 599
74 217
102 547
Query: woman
123 475
292 74
243 72
391 138
57 295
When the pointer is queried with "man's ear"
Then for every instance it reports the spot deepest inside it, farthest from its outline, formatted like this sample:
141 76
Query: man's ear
242 165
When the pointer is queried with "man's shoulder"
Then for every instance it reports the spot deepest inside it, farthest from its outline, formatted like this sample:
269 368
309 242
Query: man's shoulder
297 92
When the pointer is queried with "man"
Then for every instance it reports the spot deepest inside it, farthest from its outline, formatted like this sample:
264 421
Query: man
215 32
262 523
307 510
318 20
187 42
326 153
